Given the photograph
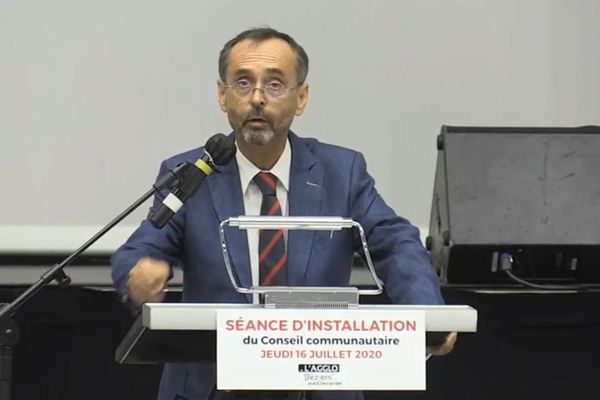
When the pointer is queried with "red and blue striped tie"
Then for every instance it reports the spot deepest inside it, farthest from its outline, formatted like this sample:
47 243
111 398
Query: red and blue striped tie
272 259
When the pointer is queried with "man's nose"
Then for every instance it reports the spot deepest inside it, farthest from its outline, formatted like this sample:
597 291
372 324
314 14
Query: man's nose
257 96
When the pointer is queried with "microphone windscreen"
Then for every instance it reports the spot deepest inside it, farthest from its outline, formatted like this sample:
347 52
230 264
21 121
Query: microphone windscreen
221 148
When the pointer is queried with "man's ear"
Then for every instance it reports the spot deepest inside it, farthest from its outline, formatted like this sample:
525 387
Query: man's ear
302 99
221 93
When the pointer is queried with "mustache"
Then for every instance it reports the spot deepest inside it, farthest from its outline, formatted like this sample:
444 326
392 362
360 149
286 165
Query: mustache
256 112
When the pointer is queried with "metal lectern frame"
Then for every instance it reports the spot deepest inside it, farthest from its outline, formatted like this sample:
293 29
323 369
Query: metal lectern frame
302 296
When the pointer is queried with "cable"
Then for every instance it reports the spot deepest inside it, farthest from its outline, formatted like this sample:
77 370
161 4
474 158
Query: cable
506 262
543 287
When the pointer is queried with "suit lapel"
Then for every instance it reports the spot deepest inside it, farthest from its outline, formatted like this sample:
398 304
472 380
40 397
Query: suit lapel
227 198
305 199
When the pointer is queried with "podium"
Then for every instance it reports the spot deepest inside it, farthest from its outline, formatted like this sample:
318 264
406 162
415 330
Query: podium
311 338
186 332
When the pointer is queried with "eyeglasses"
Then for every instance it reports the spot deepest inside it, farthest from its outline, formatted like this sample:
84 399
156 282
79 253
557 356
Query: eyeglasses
273 89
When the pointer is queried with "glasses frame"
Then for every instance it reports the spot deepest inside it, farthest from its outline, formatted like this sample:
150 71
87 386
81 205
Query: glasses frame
264 91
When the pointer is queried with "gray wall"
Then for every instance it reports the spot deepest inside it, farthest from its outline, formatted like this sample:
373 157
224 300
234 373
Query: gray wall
93 94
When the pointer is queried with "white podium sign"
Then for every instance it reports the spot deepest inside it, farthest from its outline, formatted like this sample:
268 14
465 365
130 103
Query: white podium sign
297 349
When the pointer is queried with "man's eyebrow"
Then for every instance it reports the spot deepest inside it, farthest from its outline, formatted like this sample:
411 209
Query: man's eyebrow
242 71
270 71
274 71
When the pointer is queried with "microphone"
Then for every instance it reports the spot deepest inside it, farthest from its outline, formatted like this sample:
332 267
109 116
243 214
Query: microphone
219 150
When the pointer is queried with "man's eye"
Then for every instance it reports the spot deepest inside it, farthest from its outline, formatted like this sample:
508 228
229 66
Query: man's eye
243 83
275 86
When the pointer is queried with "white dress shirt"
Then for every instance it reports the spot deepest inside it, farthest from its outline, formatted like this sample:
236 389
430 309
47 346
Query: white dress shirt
253 197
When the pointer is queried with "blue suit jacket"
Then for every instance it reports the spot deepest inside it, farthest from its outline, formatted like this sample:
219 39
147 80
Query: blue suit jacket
324 180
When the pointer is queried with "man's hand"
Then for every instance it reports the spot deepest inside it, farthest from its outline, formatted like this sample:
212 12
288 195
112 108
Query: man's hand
445 347
147 280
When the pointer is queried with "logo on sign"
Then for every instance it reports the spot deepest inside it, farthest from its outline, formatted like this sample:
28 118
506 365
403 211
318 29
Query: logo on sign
324 368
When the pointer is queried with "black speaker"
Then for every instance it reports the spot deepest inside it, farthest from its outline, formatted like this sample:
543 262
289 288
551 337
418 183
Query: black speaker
531 194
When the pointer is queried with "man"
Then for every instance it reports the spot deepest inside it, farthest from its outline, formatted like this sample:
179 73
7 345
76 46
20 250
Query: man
262 86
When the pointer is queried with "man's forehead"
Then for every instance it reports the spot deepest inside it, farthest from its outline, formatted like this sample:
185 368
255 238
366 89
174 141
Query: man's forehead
271 54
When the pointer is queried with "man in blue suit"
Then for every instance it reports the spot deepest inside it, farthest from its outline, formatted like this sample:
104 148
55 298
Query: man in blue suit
262 86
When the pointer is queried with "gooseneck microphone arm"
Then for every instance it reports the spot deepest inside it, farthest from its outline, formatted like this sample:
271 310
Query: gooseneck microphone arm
9 332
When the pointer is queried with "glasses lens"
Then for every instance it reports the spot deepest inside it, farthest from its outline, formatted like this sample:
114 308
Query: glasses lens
273 90
242 87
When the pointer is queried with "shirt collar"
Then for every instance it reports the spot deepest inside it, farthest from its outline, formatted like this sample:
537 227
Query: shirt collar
281 169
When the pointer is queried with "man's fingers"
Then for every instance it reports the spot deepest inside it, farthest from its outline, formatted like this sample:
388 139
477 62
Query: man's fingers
147 280
445 347
157 297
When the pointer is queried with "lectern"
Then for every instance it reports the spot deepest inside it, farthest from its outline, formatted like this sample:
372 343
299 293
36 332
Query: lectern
185 332
311 338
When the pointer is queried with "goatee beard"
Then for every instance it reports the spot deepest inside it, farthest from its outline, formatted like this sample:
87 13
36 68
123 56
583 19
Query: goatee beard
257 138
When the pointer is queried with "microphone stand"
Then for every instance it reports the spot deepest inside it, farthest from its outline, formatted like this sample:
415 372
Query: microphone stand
9 331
